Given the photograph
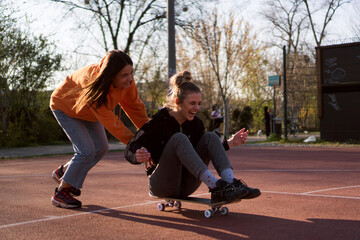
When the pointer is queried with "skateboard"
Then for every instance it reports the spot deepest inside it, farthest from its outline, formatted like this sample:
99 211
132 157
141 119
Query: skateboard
176 202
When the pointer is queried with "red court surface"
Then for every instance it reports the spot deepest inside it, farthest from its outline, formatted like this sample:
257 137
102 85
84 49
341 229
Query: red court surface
307 193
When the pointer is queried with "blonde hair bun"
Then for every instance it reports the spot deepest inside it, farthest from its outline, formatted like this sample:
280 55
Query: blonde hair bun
180 85
180 78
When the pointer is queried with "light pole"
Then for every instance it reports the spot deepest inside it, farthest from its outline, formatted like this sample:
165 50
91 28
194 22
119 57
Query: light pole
171 38
285 97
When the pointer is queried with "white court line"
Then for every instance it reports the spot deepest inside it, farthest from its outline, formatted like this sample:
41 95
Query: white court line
299 170
329 189
141 172
84 213
25 175
30 162
311 195
91 173
73 215
153 202
46 160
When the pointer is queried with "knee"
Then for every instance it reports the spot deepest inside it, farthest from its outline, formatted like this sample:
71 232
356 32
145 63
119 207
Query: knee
89 155
85 153
211 136
211 139
179 137
179 141
84 158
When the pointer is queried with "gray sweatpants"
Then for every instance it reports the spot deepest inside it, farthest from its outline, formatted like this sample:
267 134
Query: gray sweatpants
177 174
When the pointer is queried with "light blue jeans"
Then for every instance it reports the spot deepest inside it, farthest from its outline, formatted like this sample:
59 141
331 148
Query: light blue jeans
90 144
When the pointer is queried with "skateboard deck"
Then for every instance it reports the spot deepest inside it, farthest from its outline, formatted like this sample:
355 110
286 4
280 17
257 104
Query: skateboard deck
176 202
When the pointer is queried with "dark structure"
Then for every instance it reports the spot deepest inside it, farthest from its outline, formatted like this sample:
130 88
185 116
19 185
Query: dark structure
338 69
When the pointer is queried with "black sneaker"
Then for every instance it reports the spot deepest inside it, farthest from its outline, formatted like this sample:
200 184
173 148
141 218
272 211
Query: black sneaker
74 191
226 192
57 175
64 199
252 192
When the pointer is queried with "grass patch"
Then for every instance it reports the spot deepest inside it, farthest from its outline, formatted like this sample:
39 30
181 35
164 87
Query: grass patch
273 138
300 140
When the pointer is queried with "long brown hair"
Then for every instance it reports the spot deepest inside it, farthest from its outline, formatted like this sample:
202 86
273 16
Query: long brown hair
180 86
99 84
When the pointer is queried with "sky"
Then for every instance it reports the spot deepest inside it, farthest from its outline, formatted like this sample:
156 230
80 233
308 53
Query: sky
48 19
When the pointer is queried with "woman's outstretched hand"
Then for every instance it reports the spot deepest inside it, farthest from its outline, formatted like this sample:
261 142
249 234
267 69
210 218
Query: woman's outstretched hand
238 138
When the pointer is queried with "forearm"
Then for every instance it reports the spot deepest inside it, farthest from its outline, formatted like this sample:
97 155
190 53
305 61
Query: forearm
230 142
132 147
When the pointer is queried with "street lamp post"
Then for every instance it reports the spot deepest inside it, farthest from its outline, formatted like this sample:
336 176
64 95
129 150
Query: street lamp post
171 38
285 97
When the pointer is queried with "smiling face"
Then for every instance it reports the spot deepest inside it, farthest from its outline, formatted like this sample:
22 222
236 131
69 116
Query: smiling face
188 108
124 78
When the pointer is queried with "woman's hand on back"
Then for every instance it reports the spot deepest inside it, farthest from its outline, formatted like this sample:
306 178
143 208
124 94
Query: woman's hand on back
143 156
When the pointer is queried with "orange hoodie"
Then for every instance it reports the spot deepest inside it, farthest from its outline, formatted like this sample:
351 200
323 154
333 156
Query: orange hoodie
127 98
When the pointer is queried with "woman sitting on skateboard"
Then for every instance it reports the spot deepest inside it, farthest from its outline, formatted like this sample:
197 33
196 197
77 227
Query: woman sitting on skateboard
176 150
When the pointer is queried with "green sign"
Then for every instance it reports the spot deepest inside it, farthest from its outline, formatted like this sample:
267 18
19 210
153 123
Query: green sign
274 80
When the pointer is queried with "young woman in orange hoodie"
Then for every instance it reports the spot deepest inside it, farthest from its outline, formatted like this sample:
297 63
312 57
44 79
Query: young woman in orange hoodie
83 105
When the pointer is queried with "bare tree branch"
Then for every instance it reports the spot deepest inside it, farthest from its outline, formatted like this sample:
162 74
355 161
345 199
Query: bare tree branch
332 7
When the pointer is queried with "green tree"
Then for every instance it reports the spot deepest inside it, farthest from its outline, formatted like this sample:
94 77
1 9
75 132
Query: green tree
229 46
134 26
119 24
137 27
246 118
26 65
294 22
